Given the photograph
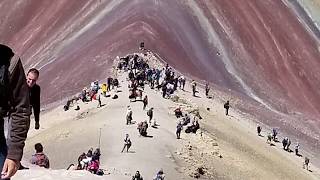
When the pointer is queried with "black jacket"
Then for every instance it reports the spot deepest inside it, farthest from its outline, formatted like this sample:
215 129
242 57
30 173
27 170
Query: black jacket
35 101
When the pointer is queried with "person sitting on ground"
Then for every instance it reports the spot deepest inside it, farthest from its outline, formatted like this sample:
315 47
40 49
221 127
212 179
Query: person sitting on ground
193 128
39 158
137 176
160 175
227 106
127 143
85 162
80 158
94 165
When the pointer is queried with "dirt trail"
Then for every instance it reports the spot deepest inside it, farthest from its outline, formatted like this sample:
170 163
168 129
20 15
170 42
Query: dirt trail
226 147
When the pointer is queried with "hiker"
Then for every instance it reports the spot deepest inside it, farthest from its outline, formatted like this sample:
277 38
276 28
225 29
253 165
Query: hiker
141 47
194 86
274 134
259 129
98 98
129 115
80 158
269 139
39 158
178 112
104 89
109 83
207 89
179 129
142 128
127 143
186 119
32 77
15 100
193 127
96 154
160 175
85 161
306 163
296 148
227 106
94 165
164 90
182 82
145 102
115 83
285 143
67 106
137 176
288 144
150 114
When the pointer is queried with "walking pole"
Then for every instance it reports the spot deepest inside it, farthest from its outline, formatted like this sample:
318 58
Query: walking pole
99 137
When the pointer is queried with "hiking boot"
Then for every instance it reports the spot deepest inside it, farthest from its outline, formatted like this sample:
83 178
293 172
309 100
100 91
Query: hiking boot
37 125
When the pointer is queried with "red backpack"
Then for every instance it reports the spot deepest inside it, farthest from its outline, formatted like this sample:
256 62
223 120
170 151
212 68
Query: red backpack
42 160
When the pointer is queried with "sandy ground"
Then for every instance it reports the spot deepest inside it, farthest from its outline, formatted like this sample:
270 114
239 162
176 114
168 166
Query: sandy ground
227 147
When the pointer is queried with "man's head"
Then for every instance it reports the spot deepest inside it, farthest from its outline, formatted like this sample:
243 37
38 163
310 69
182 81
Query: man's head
32 77
6 53
38 147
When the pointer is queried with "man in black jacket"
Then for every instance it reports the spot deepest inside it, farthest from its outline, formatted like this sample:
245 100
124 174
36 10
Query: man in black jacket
11 149
32 77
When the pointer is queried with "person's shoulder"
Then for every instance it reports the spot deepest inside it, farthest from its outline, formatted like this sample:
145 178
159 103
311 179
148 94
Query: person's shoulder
36 87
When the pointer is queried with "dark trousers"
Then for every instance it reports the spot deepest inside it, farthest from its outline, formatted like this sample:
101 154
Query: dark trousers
227 111
178 133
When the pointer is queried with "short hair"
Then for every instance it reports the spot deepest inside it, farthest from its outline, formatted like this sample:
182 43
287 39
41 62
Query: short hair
6 51
34 70
38 147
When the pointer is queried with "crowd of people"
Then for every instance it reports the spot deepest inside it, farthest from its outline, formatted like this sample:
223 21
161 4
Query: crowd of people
24 94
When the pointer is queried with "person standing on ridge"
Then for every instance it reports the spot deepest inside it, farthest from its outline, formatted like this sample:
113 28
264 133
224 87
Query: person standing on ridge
145 102
150 114
32 77
127 143
194 86
207 89
259 129
227 106
129 115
